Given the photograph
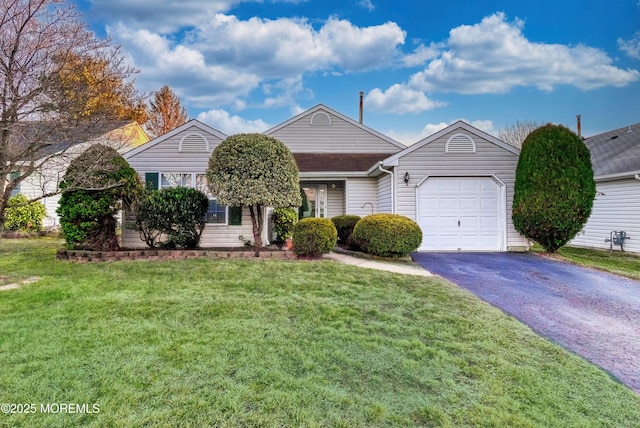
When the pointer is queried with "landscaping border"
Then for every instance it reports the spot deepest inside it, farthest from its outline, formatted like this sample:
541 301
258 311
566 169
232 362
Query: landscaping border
150 254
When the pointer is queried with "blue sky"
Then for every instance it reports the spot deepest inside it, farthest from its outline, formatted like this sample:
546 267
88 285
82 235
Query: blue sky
248 65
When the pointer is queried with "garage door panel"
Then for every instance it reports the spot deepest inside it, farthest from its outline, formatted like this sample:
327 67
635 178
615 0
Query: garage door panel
460 213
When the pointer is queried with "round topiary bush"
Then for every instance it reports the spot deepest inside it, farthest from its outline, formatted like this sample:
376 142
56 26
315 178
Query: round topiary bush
314 236
387 235
344 225
554 189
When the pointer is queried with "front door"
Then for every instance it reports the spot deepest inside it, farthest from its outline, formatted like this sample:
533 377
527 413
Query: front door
316 201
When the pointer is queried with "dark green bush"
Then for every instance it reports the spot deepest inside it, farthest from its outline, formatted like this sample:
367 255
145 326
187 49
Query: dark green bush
387 235
344 225
24 216
284 220
314 236
554 188
175 214
94 186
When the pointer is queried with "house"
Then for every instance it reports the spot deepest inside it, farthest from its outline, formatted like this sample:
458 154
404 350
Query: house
615 157
457 184
54 160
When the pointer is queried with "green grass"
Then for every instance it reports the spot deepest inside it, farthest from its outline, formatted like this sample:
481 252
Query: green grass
270 343
617 262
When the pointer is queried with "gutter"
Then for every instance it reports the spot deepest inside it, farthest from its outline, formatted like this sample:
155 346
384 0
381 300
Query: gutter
393 186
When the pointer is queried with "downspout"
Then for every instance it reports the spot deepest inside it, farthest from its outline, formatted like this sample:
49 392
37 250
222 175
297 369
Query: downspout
393 186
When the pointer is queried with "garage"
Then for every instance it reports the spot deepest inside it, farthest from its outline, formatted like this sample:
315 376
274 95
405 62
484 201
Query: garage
461 214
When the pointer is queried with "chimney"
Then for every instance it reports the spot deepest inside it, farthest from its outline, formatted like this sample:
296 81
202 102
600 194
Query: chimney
579 126
361 105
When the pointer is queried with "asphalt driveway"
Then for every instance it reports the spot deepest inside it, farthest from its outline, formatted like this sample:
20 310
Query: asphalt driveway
592 313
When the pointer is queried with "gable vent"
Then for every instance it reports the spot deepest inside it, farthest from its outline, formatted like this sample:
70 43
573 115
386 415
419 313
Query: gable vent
460 143
321 119
193 143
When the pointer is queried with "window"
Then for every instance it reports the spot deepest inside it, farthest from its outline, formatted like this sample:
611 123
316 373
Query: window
13 176
175 180
216 214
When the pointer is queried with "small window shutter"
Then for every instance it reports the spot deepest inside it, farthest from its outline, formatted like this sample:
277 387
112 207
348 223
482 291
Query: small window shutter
151 180
235 216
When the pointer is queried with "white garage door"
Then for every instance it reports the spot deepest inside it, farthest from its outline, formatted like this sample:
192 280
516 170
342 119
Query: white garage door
460 214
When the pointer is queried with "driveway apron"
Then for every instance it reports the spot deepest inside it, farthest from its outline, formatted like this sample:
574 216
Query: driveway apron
592 313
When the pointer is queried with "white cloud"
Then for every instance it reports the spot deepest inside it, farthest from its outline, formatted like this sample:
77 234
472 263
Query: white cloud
224 122
399 99
494 57
631 46
421 55
366 4
197 82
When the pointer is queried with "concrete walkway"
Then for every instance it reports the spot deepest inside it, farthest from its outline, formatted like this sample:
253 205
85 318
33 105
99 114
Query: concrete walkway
397 267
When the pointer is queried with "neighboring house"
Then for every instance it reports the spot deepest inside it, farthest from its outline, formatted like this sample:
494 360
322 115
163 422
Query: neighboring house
615 157
121 135
459 181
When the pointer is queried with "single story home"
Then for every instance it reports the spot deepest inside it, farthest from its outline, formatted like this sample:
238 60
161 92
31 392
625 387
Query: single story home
615 157
456 184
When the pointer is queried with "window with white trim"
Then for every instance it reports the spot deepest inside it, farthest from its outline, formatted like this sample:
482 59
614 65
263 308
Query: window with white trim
217 213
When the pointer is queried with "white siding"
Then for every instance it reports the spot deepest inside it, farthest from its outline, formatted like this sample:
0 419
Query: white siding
385 200
615 210
359 192
165 157
339 137
335 200
431 160
212 236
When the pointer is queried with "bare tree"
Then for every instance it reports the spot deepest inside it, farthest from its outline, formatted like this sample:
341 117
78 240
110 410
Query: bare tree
40 41
516 134
166 112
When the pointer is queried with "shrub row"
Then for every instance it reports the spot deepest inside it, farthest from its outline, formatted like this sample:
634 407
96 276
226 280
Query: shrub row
387 235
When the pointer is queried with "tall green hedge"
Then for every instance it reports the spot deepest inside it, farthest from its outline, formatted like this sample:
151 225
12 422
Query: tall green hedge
554 189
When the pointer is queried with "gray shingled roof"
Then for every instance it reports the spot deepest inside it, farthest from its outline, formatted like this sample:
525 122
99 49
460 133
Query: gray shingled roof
616 151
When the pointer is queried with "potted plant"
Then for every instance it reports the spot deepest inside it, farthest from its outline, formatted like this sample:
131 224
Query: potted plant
284 220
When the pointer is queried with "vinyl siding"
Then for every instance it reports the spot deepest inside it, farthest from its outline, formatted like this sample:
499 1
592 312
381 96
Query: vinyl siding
616 210
212 236
359 192
166 157
431 160
385 202
339 137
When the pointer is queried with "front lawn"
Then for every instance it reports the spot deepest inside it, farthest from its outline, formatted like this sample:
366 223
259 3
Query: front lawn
276 344
617 262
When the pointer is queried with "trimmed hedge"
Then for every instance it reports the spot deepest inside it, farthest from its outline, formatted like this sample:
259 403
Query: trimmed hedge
177 214
284 220
314 236
344 225
554 188
387 235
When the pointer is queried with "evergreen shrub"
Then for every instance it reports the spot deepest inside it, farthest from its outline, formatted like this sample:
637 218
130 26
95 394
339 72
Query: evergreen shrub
387 235
313 237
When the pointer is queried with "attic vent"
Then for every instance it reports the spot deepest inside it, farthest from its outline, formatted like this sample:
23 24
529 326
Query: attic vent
460 143
193 143
320 119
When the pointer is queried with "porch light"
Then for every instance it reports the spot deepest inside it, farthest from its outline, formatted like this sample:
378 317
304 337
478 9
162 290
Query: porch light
406 178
